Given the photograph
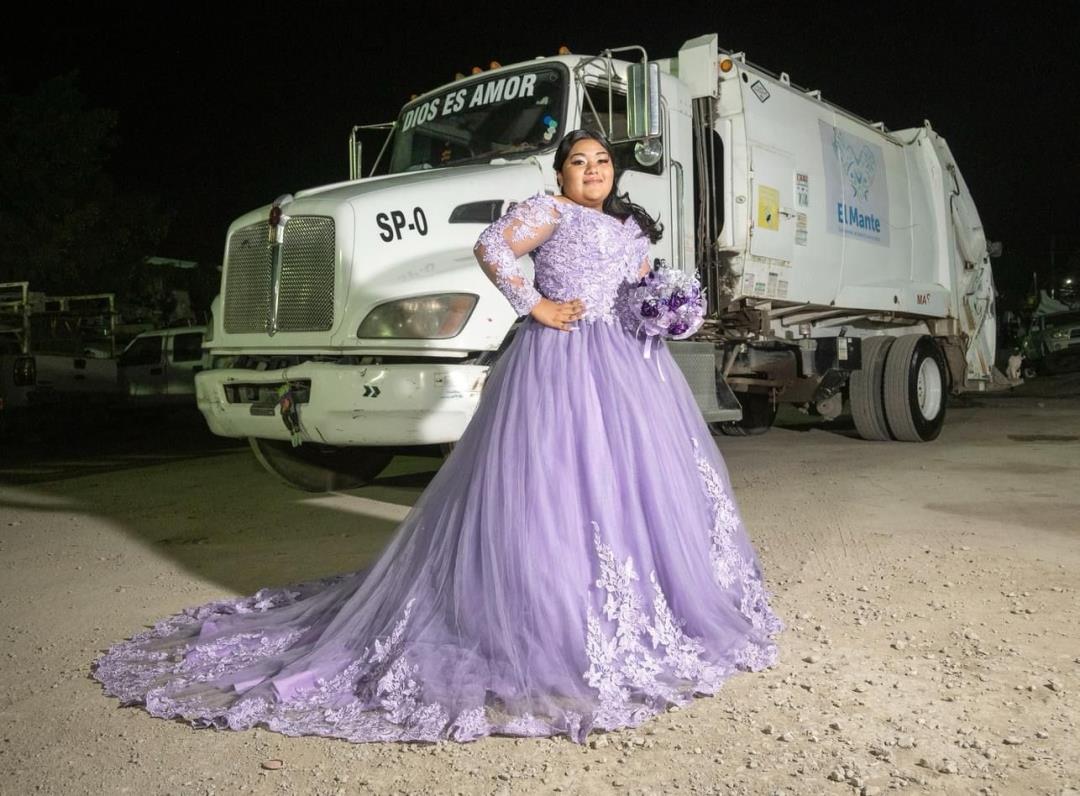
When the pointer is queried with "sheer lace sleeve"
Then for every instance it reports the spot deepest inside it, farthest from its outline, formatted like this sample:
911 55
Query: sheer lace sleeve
525 227
637 251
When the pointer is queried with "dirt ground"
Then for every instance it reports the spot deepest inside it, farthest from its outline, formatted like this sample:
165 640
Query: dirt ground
930 595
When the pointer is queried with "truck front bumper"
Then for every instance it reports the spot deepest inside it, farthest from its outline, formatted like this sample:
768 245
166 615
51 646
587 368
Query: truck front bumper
410 404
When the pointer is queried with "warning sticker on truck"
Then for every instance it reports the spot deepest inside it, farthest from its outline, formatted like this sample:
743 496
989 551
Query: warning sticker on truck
800 229
768 208
802 190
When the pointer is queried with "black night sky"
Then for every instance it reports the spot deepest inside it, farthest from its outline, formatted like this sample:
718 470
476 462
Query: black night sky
223 107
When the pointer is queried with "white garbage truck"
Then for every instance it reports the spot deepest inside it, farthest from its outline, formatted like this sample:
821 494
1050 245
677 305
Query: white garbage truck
845 265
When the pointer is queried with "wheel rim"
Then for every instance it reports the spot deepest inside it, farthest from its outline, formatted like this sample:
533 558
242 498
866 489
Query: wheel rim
928 389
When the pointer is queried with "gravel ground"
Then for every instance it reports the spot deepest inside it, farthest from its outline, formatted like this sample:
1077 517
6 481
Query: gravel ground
930 592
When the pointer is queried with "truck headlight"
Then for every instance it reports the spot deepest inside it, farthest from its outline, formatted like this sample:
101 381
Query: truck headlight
433 317
1060 334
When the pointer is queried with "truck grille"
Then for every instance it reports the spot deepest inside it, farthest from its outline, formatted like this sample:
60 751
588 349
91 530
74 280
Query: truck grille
306 302
247 285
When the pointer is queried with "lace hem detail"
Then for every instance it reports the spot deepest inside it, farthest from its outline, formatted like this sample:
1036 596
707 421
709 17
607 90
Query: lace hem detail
729 565
640 659
641 665
376 697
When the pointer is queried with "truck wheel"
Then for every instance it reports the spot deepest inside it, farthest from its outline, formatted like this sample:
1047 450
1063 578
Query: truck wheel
759 412
866 390
320 468
915 388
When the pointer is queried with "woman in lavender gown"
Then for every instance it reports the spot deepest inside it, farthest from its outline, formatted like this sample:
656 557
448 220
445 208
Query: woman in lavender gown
578 563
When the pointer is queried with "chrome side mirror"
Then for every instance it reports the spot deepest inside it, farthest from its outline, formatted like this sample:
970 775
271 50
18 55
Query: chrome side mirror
643 100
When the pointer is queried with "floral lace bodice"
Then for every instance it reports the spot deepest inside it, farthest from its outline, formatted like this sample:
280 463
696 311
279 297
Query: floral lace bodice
579 253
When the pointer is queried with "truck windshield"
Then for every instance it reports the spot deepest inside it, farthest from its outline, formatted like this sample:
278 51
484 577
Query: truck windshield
499 115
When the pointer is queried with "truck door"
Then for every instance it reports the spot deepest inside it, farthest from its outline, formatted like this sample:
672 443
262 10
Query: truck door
185 361
772 214
142 368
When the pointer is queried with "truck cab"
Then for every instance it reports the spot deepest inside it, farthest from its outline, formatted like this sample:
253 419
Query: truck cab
363 299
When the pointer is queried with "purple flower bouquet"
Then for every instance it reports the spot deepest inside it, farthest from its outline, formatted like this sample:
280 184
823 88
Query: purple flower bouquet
664 303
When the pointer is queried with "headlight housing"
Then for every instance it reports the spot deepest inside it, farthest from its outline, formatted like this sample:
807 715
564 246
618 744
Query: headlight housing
434 317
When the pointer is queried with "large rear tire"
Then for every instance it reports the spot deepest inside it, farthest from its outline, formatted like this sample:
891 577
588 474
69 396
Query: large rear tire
320 468
866 390
915 388
759 413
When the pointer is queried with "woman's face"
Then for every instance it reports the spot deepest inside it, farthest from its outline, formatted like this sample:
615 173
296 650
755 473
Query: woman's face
587 174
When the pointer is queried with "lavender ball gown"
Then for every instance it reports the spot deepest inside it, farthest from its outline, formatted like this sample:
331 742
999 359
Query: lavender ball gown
578 563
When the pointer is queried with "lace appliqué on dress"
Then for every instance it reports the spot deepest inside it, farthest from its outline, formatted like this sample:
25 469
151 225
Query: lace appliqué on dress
579 253
376 697
731 567
646 663
533 221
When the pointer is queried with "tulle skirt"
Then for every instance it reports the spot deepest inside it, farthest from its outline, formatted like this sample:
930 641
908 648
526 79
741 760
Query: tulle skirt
578 563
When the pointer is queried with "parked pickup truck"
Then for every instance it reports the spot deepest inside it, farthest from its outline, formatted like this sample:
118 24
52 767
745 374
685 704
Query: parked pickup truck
159 367
55 351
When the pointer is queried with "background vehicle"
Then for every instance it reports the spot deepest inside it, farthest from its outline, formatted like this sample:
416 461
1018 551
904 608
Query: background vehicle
158 367
55 351
842 261
1052 343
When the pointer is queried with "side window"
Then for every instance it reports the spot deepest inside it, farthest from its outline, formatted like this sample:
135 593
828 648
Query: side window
594 114
187 347
596 117
142 351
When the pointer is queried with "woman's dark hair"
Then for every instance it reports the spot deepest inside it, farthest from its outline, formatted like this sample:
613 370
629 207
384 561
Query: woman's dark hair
616 204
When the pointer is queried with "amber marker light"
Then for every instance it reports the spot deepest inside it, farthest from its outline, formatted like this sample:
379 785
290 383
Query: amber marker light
726 65
476 70
494 65
564 50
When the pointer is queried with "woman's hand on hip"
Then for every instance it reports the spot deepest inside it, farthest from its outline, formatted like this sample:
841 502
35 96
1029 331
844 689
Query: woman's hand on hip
558 314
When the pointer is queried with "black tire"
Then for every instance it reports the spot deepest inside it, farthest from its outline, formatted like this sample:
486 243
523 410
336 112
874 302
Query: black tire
916 387
320 468
866 390
759 413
